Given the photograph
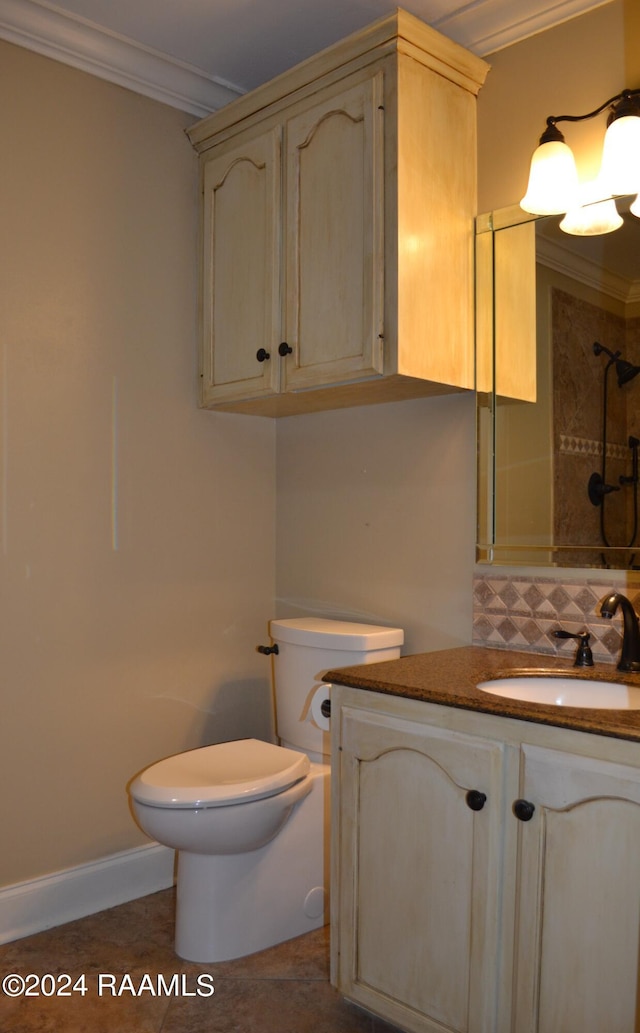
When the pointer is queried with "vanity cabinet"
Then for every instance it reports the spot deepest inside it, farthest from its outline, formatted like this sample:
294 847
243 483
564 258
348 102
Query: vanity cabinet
578 899
337 228
520 916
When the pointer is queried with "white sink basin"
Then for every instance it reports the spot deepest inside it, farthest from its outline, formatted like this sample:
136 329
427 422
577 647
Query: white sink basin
565 692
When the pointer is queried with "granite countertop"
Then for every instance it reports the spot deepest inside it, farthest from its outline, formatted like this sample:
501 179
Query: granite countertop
450 677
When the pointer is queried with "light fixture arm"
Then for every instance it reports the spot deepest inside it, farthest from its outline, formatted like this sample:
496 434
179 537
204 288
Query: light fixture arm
626 96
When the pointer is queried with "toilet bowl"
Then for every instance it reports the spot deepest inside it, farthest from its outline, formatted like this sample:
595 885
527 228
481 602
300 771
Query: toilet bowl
250 819
222 799
221 807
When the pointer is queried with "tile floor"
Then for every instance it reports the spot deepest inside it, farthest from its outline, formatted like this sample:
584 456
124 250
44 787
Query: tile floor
124 951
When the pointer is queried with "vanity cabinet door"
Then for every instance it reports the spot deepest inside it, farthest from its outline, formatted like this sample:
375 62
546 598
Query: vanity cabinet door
241 270
419 872
334 238
577 955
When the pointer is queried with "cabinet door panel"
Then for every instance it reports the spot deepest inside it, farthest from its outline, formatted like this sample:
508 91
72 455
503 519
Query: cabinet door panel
241 271
334 239
577 946
436 859
420 913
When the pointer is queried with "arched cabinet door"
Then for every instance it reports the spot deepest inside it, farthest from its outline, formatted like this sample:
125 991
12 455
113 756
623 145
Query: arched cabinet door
240 270
420 871
577 939
334 238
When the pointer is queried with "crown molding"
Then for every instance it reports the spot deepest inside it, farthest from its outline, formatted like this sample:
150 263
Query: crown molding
584 270
74 41
485 26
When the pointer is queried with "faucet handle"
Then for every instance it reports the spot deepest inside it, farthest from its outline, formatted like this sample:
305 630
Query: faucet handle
584 656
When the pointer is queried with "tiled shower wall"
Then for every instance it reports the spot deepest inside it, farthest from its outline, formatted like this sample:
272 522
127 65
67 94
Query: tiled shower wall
579 378
521 612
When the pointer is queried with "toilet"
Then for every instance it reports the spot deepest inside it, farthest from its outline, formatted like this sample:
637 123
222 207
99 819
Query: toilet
250 819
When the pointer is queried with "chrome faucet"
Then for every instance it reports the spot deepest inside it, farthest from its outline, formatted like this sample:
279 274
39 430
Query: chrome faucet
630 655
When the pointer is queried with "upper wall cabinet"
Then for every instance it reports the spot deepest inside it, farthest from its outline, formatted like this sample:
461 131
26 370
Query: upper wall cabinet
337 228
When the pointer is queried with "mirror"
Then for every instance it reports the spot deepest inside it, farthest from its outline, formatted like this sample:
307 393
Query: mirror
558 364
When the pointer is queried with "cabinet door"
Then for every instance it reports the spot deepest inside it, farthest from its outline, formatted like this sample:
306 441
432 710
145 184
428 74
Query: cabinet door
241 271
419 873
577 953
334 230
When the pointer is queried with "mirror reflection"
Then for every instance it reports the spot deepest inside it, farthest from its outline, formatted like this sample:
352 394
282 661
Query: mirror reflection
558 392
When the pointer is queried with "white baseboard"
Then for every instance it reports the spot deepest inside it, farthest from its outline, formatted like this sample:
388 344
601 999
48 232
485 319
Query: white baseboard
37 904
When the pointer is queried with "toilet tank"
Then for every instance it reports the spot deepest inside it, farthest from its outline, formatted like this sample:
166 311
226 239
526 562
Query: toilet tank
307 648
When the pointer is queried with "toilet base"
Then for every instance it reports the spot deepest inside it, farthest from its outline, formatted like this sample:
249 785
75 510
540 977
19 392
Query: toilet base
235 904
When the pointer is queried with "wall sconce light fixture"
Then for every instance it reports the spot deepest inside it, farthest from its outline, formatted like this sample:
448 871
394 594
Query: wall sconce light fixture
554 187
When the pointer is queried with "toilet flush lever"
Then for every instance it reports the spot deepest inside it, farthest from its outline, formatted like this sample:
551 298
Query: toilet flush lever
268 650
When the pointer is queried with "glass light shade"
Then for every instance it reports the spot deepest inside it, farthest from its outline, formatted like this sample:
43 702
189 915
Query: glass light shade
592 220
635 207
620 168
553 180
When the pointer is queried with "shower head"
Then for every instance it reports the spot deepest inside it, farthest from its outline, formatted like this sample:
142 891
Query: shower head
625 370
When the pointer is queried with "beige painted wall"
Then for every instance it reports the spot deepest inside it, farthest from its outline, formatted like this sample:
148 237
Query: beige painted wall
376 517
136 532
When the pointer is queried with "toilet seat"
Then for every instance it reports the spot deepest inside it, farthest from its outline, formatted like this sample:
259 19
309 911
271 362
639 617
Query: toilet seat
220 775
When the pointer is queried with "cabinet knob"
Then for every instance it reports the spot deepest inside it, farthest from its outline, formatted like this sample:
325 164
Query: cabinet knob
284 349
262 355
268 650
523 810
475 799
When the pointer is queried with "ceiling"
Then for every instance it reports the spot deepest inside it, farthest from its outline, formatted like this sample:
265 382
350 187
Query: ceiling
197 55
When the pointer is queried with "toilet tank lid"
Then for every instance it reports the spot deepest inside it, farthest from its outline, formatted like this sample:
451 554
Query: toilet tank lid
332 634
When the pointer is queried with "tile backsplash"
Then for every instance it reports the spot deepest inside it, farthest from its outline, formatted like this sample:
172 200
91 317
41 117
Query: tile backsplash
521 612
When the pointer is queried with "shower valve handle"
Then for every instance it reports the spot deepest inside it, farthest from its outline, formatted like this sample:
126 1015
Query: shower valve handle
598 489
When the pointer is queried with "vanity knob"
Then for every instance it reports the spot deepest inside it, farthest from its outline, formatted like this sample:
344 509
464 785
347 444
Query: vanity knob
284 349
523 810
475 799
262 355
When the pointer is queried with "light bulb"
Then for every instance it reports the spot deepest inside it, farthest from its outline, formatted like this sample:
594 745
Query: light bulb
553 180
592 220
620 168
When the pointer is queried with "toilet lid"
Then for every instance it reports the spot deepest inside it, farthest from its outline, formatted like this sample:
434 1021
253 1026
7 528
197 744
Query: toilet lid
219 775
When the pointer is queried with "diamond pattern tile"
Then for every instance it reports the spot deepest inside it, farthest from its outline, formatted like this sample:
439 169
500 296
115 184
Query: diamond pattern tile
587 601
518 612
533 597
560 598
510 596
